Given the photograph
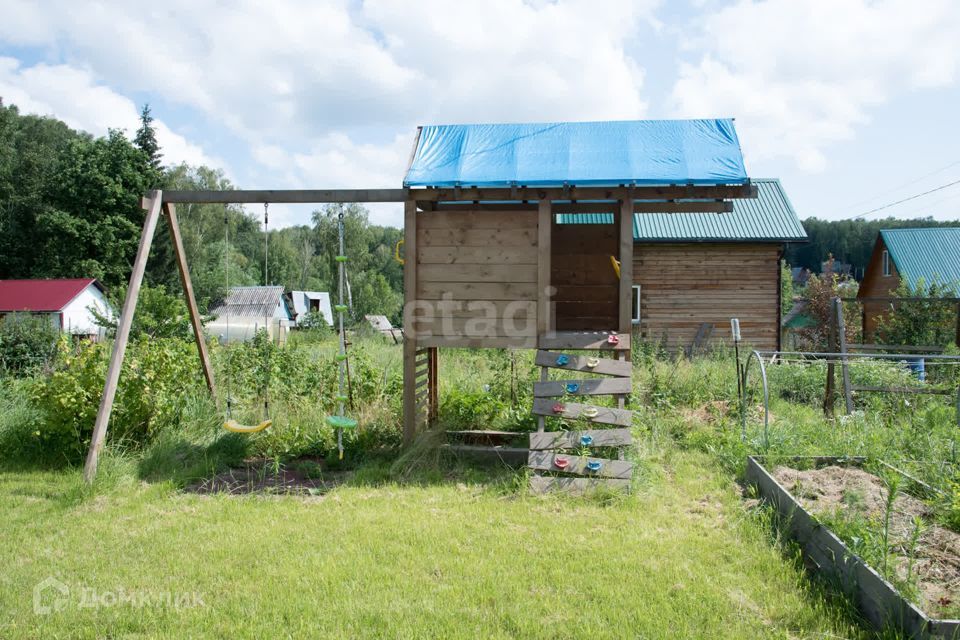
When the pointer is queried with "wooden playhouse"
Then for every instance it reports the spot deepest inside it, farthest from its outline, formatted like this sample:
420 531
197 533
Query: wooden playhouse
488 266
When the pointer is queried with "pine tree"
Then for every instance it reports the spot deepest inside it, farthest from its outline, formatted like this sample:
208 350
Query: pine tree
146 138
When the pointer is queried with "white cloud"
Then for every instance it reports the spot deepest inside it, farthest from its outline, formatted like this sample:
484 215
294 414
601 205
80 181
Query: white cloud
802 75
73 96
328 93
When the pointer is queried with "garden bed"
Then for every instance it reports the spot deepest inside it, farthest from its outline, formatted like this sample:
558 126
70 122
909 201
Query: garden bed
821 497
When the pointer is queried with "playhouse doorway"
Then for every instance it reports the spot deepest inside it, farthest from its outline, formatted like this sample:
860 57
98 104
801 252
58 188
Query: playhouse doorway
582 273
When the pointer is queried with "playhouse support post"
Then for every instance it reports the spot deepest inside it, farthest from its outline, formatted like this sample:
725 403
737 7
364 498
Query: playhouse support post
409 329
170 212
152 204
626 265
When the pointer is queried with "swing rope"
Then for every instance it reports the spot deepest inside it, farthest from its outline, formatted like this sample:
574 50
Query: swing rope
341 421
230 424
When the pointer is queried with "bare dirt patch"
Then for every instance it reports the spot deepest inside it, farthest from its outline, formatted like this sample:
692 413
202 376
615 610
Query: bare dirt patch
301 477
830 489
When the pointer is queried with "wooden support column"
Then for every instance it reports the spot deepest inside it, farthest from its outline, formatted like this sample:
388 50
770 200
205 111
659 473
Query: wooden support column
152 205
544 288
626 267
409 331
170 212
842 347
433 397
829 396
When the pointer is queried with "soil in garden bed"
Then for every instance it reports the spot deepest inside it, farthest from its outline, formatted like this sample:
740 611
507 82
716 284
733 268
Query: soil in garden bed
855 492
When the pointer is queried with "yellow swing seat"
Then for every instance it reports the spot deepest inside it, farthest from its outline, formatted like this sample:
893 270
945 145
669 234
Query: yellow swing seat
236 427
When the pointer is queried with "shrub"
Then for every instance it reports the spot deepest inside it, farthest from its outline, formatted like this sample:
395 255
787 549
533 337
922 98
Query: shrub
156 374
27 342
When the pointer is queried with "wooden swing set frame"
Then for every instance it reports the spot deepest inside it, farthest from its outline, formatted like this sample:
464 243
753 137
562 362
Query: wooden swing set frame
639 199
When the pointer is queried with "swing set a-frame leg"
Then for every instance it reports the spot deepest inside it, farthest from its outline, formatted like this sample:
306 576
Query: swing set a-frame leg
152 203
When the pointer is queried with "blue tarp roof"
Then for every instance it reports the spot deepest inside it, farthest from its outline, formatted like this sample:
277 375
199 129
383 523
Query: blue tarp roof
642 152
768 218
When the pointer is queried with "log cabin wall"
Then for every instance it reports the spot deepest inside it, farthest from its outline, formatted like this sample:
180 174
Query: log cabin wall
685 285
586 286
476 279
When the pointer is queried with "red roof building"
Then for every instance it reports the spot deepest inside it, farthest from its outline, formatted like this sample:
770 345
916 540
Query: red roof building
68 302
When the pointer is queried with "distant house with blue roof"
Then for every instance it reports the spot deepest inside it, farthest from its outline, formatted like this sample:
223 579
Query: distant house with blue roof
696 269
930 255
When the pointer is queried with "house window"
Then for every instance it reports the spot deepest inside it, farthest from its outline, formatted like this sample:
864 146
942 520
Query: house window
886 263
635 313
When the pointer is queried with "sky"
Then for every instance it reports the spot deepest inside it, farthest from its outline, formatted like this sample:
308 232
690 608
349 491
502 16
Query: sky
853 104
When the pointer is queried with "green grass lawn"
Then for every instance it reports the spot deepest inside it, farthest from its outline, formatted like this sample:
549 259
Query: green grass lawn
679 558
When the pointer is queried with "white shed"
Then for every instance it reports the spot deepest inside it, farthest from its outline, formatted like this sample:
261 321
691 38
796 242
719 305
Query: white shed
316 301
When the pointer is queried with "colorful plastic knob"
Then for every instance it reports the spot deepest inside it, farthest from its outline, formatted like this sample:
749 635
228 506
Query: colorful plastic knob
561 463
563 360
592 362
572 387
613 339
594 465
559 408
586 439
591 412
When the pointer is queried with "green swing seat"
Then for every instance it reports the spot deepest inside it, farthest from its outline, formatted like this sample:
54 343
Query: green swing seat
341 422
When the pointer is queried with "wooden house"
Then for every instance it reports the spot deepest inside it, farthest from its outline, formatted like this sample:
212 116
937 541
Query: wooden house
488 263
68 303
928 255
693 271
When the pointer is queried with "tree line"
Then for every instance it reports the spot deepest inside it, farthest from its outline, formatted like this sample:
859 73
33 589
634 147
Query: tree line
848 241
69 208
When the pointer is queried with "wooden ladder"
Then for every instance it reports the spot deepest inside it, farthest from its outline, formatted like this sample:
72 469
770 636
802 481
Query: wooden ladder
550 457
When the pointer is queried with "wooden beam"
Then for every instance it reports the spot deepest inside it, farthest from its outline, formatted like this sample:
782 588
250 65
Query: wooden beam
591 387
571 362
577 411
276 196
169 209
544 288
665 206
587 340
409 328
547 461
626 266
575 486
123 335
306 196
574 439
667 192
844 363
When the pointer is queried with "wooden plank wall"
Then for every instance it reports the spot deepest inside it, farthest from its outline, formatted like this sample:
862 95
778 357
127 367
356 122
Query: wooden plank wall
685 285
476 279
587 288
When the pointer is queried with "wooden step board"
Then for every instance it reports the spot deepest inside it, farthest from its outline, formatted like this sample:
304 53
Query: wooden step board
552 440
575 486
514 457
594 387
576 411
596 340
605 366
577 465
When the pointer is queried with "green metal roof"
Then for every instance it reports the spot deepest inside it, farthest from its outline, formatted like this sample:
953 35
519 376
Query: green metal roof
767 218
932 254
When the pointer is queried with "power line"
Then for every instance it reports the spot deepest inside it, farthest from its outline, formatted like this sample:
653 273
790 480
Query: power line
913 197
905 184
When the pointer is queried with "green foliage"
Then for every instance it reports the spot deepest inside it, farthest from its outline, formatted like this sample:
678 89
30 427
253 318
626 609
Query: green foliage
27 342
786 288
159 315
920 322
819 293
157 373
146 138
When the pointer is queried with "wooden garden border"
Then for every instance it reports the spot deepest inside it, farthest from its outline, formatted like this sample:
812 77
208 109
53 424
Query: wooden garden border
876 598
